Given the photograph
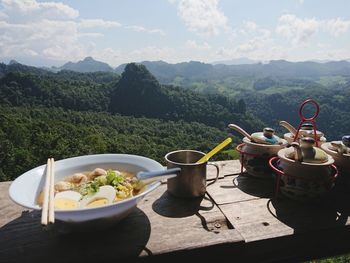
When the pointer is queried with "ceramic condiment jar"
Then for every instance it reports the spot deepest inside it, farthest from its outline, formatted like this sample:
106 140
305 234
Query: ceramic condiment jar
340 151
306 130
306 152
307 170
256 150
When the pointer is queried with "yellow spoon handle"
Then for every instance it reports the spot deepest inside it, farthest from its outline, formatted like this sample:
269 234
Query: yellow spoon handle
214 151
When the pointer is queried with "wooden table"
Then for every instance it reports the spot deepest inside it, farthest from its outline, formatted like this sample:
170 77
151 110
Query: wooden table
238 218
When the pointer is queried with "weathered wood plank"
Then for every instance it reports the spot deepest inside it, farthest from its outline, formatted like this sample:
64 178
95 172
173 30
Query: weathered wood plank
254 221
180 223
226 168
264 218
161 224
239 188
298 247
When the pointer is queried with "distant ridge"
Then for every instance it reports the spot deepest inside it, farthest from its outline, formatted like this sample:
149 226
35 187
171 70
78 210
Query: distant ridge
276 68
12 62
87 65
236 61
195 70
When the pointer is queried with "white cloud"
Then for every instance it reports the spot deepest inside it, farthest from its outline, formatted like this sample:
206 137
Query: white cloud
252 41
195 46
29 52
337 26
92 23
202 16
249 46
300 30
152 52
19 11
338 54
91 35
252 30
54 31
116 57
146 30
250 25
40 37
253 50
296 29
45 30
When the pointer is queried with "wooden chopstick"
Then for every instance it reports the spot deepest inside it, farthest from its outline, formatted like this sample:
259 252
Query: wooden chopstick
47 213
52 193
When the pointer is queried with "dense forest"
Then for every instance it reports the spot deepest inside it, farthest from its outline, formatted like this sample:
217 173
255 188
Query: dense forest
28 135
136 93
334 108
66 113
271 92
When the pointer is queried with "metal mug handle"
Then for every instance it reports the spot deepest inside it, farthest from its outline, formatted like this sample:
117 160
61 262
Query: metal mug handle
217 171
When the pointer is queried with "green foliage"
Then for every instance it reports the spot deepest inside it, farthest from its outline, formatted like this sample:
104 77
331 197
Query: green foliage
334 108
337 259
68 114
232 154
138 93
265 83
59 90
29 135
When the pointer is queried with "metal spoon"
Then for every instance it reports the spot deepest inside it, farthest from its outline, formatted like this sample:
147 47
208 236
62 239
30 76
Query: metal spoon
148 177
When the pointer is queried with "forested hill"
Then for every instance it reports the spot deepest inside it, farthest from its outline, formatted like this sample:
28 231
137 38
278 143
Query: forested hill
86 65
29 135
67 114
136 93
275 68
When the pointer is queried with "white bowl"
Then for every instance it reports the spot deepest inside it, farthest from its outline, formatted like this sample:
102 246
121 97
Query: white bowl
25 189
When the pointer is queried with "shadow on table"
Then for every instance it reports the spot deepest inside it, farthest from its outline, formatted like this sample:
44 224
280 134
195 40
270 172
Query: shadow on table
171 206
25 240
254 186
303 217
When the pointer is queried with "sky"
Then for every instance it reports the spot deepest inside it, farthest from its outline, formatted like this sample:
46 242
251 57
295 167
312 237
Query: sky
50 33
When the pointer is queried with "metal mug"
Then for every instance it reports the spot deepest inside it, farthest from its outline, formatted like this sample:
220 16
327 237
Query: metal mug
192 180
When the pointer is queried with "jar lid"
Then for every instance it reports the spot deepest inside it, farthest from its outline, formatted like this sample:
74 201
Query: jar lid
267 136
307 152
307 126
346 140
307 130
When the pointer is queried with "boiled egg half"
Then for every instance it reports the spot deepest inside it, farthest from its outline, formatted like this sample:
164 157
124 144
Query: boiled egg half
67 200
104 196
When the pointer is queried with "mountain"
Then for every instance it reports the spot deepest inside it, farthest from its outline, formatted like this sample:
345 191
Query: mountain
195 70
164 70
139 93
15 66
236 61
13 61
86 65
68 114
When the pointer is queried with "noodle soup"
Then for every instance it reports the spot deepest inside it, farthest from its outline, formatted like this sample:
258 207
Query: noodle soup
92 189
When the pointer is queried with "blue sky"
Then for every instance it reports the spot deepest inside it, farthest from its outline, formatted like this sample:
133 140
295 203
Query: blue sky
54 32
